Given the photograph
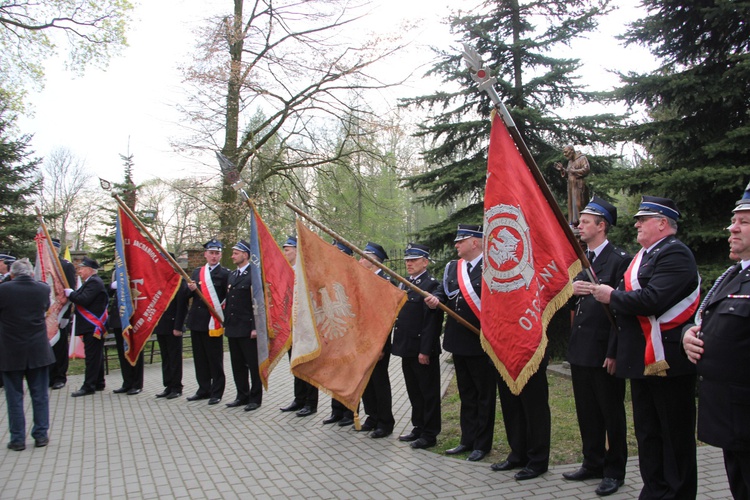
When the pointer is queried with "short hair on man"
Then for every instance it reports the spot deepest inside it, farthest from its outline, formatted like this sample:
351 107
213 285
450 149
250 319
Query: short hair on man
598 219
22 267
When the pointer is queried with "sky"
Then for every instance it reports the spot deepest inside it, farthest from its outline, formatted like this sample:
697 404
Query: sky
129 107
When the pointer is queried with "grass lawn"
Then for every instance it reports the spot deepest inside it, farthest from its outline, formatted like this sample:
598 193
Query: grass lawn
566 440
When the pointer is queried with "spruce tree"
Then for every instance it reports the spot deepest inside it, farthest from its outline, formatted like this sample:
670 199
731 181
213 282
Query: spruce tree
697 133
516 41
19 182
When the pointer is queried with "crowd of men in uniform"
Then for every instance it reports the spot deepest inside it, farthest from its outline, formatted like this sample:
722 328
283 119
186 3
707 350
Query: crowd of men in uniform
606 347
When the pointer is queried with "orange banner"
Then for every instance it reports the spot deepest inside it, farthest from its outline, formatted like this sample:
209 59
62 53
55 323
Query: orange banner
343 314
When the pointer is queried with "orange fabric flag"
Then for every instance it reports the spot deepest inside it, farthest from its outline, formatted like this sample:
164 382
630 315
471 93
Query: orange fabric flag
343 315
529 263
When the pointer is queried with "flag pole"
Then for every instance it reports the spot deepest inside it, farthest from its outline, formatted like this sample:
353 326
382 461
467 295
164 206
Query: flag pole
386 269
161 249
486 84
58 264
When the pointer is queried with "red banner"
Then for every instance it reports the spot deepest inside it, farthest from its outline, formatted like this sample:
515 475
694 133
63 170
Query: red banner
529 263
343 314
146 285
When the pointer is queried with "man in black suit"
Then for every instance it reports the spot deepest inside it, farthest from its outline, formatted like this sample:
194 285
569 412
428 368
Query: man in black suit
377 398
169 331
475 373
206 334
653 303
416 339
240 331
599 395
720 346
58 372
25 352
6 260
132 376
91 301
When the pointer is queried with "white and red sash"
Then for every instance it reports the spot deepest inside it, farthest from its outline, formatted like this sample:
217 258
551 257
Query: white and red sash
654 361
100 323
467 290
209 292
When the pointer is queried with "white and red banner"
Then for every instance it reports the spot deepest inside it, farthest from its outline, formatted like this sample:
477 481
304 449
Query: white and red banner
529 263
49 270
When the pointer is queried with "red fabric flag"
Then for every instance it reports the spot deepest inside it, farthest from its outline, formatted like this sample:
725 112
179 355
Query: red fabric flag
529 263
146 284
343 314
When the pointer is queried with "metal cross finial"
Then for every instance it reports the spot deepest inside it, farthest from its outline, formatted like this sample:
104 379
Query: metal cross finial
486 83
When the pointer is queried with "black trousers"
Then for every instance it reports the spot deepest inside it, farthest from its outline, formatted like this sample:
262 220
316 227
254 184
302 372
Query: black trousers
170 348
600 407
377 398
304 394
132 376
527 421
737 464
208 356
475 377
58 371
94 351
243 352
423 386
338 408
664 418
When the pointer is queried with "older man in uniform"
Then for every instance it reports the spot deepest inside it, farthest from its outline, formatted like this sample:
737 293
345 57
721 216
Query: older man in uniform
651 306
58 372
377 398
416 339
240 331
599 395
305 395
475 374
205 333
91 302
720 348
25 352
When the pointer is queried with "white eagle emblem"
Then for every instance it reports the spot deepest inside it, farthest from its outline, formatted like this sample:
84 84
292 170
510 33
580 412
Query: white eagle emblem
503 247
331 314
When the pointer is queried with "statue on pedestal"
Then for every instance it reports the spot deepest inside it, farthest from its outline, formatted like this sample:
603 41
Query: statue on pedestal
576 170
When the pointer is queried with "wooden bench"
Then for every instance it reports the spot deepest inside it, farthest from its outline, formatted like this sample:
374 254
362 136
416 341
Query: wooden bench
151 348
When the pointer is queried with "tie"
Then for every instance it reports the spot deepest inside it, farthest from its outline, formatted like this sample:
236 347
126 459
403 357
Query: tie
591 255
468 267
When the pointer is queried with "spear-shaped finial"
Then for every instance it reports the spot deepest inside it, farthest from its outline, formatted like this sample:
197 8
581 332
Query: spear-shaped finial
485 82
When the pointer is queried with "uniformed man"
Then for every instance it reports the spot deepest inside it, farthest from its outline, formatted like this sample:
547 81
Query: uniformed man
206 334
6 260
651 306
475 373
305 395
169 333
416 339
58 371
599 395
239 327
91 301
720 348
377 397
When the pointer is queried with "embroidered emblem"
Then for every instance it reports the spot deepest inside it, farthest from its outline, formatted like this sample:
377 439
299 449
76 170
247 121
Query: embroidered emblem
507 249
331 314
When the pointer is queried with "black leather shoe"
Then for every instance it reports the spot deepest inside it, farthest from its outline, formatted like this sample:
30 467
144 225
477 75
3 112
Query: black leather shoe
120 390
293 406
100 388
526 473
581 474
41 442
608 486
214 401
461 448
252 406
365 428
505 465
134 391
81 392
346 421
332 419
476 456
306 412
17 446
174 395
236 403
164 393
58 385
380 433
422 443
196 397
408 438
